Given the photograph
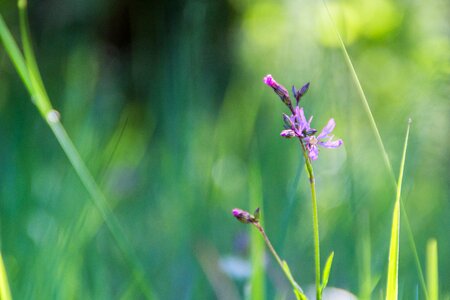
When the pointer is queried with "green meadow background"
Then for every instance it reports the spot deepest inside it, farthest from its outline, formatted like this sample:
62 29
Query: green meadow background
166 104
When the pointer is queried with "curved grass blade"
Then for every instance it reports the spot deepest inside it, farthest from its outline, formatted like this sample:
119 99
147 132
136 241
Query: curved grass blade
40 96
392 277
386 160
326 271
29 73
14 53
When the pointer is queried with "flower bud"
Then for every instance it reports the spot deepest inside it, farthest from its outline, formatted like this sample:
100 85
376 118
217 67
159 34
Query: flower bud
244 216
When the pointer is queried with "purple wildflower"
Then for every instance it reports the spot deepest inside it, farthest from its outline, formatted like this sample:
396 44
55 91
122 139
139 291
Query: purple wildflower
296 124
312 141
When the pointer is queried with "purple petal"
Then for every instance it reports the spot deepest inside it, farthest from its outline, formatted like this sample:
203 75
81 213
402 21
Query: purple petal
294 91
301 120
331 144
288 133
237 212
327 129
268 79
309 122
288 120
313 152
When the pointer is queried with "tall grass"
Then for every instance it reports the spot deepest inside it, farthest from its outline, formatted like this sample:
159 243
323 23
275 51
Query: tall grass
383 151
392 275
214 146
28 70
432 270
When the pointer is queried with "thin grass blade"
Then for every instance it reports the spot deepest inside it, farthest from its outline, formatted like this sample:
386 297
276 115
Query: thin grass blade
379 140
432 270
29 72
14 53
39 97
392 277
326 270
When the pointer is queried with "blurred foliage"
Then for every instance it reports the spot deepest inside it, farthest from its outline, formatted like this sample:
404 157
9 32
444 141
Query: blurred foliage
165 101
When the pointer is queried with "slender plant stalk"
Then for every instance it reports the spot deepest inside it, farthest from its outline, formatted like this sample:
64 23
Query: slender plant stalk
312 183
379 140
282 263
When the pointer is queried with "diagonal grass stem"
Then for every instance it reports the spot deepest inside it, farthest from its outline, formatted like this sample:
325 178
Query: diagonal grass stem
28 71
380 143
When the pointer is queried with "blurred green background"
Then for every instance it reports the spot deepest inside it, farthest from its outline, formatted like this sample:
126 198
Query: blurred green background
165 101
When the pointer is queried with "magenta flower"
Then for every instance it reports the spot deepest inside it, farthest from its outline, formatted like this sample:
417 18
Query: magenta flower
312 141
296 125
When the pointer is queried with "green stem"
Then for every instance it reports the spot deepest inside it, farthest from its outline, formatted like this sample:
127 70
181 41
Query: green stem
312 183
294 284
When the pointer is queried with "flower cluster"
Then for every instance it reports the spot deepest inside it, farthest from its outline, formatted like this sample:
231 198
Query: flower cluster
296 125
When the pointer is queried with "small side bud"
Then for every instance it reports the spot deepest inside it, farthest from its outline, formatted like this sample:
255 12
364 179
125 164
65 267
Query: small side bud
304 89
298 94
256 214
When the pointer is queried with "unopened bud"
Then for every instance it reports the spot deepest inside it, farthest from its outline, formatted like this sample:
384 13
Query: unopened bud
244 216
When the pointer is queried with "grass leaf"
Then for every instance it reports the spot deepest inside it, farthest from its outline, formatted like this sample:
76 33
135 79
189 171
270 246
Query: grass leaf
14 53
392 277
432 270
386 160
29 72
297 289
326 270
392 280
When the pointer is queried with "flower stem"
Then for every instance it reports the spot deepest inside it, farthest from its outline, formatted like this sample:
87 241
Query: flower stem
282 263
312 183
